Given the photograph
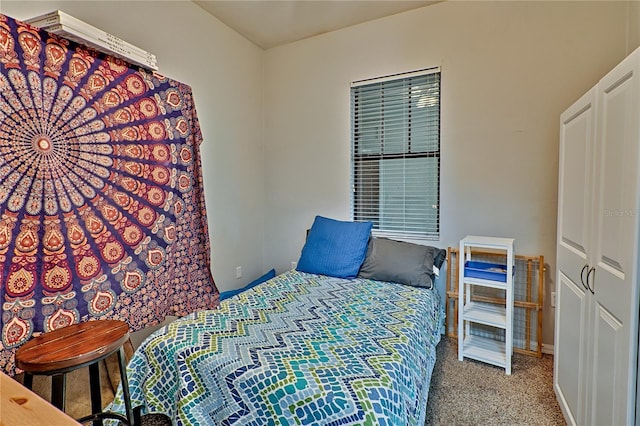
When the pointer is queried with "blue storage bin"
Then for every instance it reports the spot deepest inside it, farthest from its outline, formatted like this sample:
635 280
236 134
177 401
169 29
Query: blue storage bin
486 271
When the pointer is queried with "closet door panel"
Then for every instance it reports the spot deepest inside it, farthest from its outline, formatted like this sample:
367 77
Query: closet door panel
571 347
575 183
617 171
608 405
614 280
574 241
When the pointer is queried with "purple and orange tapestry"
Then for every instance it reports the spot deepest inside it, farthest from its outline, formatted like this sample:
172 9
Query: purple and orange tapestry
102 212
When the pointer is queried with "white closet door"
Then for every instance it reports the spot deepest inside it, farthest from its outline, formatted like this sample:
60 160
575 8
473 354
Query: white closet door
614 279
574 244
570 358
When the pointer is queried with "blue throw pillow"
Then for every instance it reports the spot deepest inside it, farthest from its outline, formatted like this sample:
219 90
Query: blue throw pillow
227 294
335 248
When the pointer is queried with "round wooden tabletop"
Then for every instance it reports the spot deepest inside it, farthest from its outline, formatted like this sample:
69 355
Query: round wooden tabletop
71 347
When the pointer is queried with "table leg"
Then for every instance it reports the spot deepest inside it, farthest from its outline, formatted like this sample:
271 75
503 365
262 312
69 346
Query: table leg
28 381
124 382
58 390
94 383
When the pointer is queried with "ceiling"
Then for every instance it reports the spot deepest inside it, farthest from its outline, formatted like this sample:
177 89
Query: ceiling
271 23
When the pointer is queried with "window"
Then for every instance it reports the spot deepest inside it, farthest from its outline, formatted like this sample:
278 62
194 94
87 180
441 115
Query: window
395 152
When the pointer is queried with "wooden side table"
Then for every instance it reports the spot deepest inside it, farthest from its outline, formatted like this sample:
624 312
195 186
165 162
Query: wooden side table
86 344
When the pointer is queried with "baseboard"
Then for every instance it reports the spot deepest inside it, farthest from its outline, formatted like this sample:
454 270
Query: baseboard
547 349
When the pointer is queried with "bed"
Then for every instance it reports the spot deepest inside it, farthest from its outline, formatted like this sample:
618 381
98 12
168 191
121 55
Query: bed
300 348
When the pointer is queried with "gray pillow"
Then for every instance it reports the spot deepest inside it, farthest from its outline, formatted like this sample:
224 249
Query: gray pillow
401 262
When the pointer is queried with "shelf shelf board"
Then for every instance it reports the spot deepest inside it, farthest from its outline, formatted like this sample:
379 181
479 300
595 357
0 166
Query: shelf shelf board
485 350
485 283
488 242
486 313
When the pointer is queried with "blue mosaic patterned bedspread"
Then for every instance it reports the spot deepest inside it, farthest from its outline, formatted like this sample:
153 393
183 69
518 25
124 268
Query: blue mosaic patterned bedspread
298 349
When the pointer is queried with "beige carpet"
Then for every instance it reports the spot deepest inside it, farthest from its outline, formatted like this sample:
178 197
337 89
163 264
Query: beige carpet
474 393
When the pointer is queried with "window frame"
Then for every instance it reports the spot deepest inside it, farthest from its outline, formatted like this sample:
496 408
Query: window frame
358 160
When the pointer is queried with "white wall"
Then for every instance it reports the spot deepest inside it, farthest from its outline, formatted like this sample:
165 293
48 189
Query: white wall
508 70
225 73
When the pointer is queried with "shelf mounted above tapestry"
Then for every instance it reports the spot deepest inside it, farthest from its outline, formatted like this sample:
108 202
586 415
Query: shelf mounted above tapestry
65 25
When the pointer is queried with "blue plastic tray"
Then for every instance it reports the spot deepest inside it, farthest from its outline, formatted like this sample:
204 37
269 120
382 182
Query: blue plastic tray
486 271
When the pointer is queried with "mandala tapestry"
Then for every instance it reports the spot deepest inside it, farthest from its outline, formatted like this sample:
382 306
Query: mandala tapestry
102 211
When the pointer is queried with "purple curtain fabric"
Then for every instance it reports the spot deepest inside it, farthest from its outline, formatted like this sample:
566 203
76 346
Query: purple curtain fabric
102 212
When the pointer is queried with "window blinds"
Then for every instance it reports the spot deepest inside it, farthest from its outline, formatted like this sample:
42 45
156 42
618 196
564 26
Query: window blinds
396 154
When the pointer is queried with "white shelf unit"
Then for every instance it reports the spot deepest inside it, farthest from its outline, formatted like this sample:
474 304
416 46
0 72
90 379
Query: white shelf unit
484 274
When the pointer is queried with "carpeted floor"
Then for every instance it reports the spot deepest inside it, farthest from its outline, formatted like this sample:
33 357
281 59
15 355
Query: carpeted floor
474 393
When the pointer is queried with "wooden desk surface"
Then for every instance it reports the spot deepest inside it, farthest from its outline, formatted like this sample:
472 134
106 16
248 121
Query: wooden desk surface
19 406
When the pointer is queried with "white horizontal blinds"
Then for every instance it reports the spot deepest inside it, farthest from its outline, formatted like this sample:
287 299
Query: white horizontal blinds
396 154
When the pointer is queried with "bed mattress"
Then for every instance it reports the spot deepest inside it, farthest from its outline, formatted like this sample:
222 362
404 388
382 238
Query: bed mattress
297 349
